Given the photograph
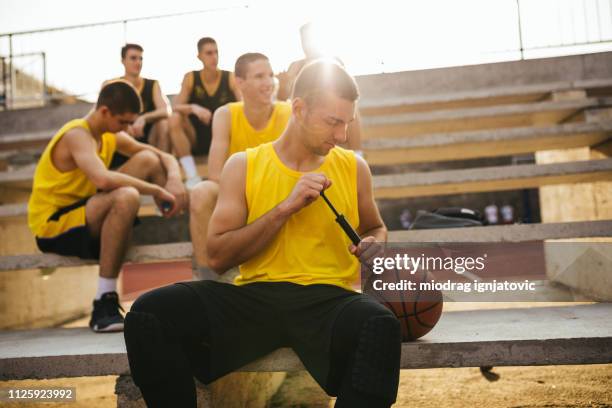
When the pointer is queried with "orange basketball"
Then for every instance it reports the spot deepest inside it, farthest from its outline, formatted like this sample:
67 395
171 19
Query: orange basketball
418 311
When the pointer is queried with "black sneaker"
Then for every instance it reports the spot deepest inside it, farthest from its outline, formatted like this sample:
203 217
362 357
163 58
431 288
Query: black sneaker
106 316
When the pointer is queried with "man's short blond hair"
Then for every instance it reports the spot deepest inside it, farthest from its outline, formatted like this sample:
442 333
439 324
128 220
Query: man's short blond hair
324 75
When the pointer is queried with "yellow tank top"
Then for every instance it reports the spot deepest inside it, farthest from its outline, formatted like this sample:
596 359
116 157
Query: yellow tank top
242 134
310 248
53 189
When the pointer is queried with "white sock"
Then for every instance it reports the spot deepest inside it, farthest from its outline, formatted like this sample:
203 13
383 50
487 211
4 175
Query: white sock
106 285
189 166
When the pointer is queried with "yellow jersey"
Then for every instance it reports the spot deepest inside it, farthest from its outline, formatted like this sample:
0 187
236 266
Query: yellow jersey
310 248
53 189
242 134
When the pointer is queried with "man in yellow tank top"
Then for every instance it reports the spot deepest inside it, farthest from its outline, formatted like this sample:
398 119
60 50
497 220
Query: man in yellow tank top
236 126
78 207
296 268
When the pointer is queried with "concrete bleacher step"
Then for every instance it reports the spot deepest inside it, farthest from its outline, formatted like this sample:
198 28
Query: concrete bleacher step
470 119
507 233
22 178
490 234
449 181
25 140
136 254
481 97
21 121
435 183
484 143
513 337
33 128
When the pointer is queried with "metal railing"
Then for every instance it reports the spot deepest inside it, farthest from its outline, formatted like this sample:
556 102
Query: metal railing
9 68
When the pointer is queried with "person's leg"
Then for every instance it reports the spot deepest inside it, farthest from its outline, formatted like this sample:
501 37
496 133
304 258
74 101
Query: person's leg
157 329
366 351
183 137
159 135
147 166
197 329
201 205
110 217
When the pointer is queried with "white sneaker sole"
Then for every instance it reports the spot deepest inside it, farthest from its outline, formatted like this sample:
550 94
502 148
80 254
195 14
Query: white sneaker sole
115 327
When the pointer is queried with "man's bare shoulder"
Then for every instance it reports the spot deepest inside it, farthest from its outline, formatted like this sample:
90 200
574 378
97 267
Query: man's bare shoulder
236 162
295 67
188 78
361 162
77 137
223 111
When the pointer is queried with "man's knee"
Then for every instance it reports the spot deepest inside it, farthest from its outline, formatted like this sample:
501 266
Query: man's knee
145 303
126 199
146 159
376 362
203 197
146 341
145 345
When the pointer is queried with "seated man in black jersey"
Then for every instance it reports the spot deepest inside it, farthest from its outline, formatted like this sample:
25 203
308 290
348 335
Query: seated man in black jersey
297 268
202 92
151 126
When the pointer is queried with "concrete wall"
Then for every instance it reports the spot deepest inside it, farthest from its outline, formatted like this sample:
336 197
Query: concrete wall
407 83
474 77
39 119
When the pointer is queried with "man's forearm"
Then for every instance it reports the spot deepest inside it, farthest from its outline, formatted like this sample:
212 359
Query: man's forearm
235 247
115 180
171 166
379 233
157 114
184 108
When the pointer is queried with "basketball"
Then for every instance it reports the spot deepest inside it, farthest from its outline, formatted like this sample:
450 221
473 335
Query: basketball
418 311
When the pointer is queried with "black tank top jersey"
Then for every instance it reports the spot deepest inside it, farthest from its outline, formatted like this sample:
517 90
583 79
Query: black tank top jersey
147 95
222 95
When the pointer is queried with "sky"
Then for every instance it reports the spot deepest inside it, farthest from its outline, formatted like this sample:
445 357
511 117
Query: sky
370 37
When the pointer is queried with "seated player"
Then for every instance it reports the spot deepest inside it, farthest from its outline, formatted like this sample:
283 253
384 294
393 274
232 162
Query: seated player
202 92
151 126
236 127
78 207
297 268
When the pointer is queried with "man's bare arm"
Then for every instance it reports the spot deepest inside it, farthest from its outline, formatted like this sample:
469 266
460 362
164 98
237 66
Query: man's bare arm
286 79
83 151
219 147
370 221
162 106
371 226
129 147
230 240
179 102
234 87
